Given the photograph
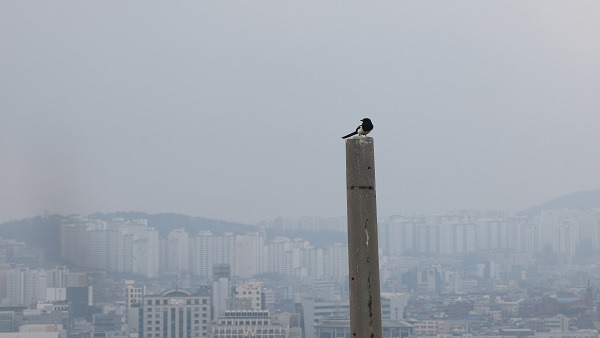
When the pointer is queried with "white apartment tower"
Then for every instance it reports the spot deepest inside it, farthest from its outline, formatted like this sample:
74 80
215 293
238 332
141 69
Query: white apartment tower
25 287
336 261
251 255
280 256
145 248
206 250
177 251
74 239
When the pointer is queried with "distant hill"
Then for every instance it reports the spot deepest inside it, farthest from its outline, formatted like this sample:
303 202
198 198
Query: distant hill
40 232
581 200
166 222
44 232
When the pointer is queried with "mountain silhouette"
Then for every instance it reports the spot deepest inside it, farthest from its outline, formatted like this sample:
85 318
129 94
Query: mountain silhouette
581 200
44 231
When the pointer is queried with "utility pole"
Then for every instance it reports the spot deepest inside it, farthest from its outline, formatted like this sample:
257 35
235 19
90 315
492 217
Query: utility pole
363 255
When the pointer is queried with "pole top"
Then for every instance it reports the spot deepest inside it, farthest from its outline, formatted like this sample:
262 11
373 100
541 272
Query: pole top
359 139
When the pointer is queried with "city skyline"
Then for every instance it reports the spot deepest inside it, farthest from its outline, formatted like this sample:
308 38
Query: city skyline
135 246
471 273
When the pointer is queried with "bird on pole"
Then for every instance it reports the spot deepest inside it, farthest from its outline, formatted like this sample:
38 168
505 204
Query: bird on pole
363 129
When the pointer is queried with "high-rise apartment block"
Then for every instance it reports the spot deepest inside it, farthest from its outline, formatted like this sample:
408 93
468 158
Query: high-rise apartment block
251 255
25 286
206 250
115 246
176 252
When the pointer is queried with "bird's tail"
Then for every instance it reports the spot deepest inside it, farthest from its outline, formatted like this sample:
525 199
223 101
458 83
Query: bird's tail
351 134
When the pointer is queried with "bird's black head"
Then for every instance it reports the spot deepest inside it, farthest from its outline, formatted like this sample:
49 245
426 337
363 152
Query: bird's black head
365 120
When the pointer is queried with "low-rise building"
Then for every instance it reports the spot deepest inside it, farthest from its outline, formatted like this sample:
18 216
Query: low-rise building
252 323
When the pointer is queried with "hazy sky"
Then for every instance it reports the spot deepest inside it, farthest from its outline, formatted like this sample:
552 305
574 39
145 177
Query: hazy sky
234 110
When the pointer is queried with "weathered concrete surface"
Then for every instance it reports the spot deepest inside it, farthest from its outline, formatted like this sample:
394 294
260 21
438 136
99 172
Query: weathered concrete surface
365 303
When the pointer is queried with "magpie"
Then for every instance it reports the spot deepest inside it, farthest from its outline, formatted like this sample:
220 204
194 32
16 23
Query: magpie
363 129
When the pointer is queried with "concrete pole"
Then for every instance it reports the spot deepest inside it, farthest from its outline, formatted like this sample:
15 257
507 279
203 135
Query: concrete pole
363 256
